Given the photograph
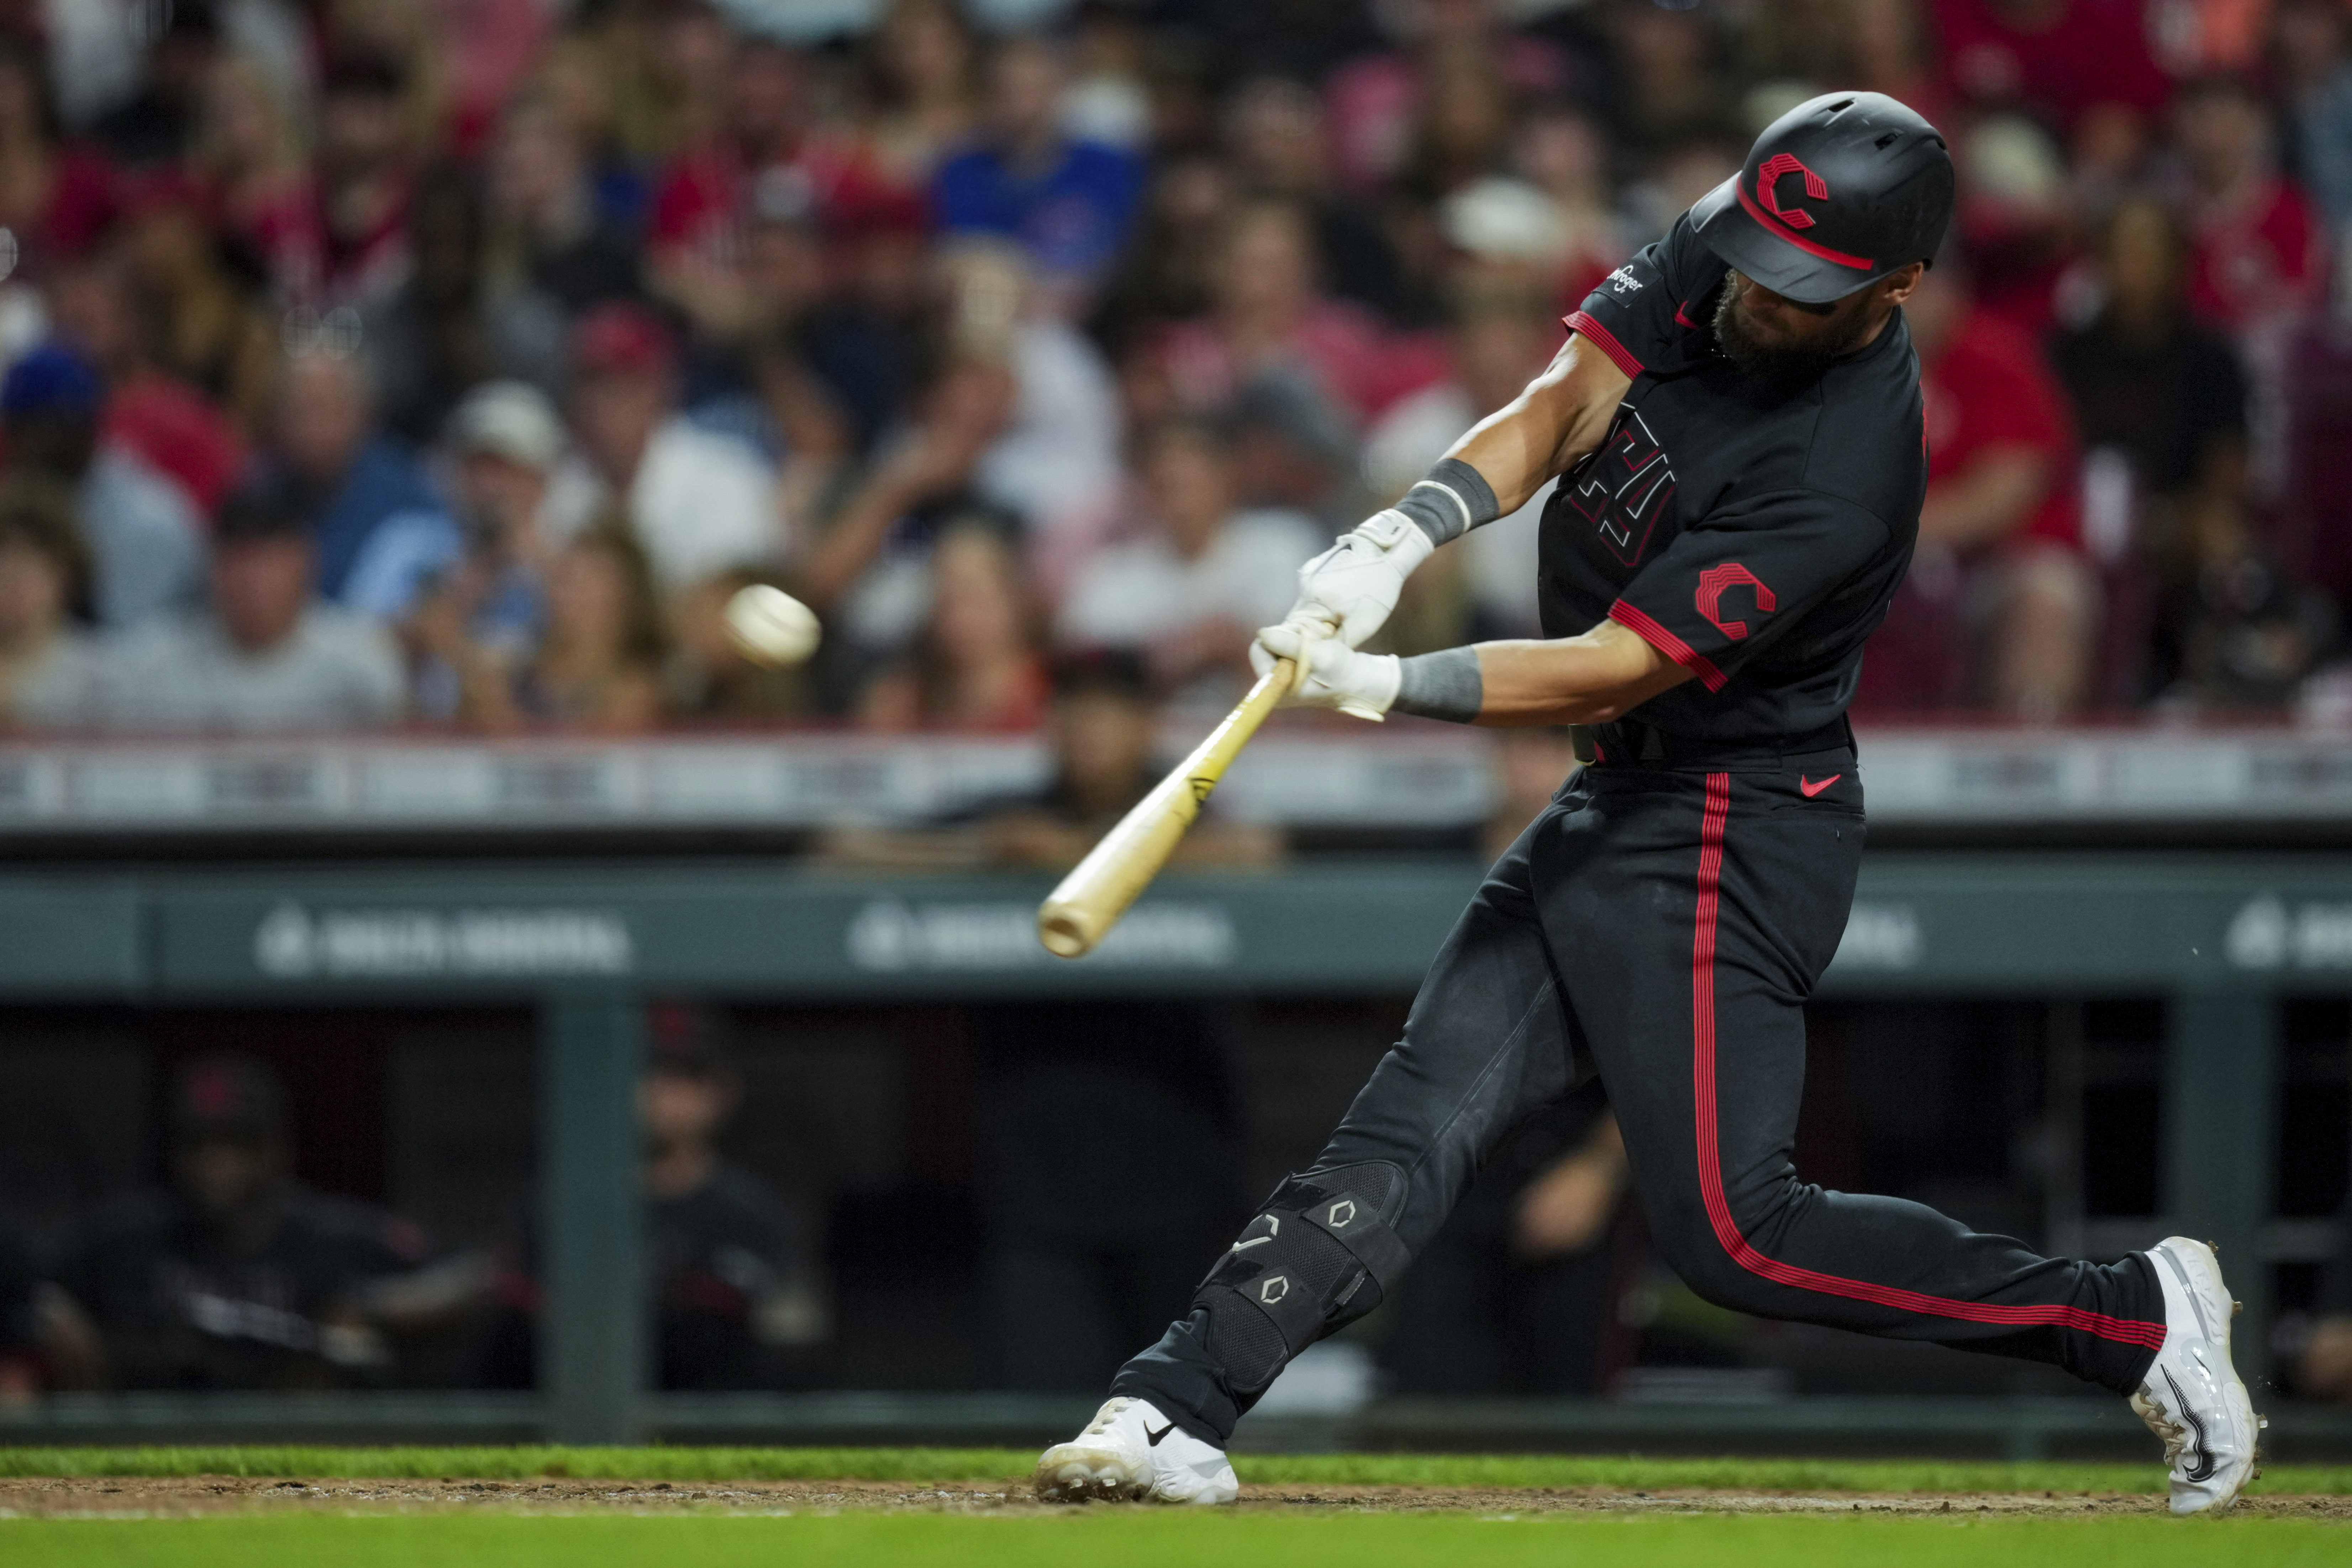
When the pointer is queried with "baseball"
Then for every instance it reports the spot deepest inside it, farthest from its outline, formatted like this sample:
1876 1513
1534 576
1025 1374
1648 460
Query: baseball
769 626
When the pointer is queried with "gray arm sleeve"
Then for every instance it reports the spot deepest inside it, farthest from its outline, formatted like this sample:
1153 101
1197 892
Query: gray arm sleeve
1443 685
1450 501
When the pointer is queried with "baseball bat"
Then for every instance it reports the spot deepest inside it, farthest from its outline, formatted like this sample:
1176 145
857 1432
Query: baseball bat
1079 913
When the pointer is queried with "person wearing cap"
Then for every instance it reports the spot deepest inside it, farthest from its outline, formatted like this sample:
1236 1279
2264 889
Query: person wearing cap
701 503
734 1279
265 653
734 1269
143 532
236 1276
470 586
1737 428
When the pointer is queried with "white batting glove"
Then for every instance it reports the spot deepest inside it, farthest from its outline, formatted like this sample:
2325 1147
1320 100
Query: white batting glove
1360 685
1349 589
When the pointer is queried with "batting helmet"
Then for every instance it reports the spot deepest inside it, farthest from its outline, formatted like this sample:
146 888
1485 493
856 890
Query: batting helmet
1837 193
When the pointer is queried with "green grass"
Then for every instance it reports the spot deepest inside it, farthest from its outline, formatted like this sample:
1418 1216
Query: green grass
692 1464
1134 1538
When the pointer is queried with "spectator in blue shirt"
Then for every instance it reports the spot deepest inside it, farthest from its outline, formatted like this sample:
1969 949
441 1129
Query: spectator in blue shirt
343 472
1067 202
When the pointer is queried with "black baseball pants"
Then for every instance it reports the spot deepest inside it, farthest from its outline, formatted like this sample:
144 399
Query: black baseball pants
1663 926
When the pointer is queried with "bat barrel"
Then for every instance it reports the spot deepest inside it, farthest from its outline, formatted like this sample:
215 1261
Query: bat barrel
1080 912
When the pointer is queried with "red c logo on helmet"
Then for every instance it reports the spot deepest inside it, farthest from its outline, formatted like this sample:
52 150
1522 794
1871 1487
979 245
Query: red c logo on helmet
1768 180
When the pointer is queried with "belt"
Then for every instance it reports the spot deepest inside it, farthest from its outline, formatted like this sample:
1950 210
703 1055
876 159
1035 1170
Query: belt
1628 742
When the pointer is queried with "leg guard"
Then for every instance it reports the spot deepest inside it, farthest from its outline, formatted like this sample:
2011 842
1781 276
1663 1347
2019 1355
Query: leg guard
1319 1256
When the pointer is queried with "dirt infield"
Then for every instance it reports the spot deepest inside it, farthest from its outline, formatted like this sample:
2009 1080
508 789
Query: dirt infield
98 1495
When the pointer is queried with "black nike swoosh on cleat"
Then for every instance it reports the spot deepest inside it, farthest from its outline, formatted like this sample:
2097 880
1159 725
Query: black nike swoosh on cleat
1153 1438
2202 1471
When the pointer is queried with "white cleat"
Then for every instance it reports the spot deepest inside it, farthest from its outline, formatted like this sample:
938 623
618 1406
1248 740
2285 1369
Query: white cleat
2193 1399
1132 1453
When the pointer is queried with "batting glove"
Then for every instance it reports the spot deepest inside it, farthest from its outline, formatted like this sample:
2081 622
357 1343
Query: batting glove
1361 685
1349 589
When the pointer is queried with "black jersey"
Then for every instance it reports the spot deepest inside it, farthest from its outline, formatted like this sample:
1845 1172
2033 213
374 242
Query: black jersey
1752 532
180 1309
19 1336
732 1269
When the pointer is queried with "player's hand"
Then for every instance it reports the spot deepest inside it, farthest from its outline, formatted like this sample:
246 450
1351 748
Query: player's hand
1361 685
1349 589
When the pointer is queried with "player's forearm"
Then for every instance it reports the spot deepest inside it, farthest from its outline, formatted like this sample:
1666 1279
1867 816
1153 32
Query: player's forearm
1601 676
1591 678
1562 415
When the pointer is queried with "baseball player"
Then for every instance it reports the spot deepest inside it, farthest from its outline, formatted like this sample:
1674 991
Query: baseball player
1735 417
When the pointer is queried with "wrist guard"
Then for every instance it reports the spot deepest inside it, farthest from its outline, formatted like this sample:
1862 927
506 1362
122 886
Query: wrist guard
1443 685
1450 501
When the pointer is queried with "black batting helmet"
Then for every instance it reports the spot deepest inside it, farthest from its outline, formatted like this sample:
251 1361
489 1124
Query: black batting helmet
1837 193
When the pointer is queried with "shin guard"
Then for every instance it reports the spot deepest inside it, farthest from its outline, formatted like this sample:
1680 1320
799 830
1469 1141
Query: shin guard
1319 1255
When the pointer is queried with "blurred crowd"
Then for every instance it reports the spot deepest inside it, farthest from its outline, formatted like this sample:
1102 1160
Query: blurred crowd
371 363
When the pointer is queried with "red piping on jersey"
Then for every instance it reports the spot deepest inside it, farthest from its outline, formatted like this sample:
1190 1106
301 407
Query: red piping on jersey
2121 1331
1639 623
1780 230
1682 319
1606 342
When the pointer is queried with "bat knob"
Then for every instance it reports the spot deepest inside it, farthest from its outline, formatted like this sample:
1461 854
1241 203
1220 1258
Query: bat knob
1066 932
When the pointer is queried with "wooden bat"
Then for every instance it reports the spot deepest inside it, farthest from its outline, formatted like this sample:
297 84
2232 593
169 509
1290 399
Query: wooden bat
1080 912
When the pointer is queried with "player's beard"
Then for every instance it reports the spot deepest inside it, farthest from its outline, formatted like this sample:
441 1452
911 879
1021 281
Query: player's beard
1755 351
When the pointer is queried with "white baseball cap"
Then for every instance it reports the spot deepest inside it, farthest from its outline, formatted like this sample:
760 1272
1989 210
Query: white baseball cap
511 419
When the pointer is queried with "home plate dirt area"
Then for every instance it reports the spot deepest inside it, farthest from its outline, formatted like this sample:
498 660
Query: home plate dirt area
177 1496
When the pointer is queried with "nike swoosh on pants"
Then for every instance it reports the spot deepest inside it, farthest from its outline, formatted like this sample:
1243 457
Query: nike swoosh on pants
1814 787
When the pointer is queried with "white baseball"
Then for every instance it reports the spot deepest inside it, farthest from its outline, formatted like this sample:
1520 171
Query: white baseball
769 626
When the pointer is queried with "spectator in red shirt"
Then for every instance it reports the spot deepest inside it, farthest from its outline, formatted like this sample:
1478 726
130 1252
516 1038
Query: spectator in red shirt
2257 251
767 156
976 665
364 164
202 327
2000 607
2061 58
54 198
249 154
170 426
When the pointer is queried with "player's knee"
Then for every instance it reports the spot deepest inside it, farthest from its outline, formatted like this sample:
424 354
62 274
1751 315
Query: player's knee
1706 1244
1319 1254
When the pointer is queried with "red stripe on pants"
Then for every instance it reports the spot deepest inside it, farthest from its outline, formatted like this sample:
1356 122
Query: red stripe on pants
2122 1331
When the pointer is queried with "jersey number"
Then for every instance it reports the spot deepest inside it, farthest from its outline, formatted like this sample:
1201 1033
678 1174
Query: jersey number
1623 487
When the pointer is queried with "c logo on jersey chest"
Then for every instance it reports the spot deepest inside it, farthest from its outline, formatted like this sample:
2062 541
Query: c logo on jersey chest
1623 487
